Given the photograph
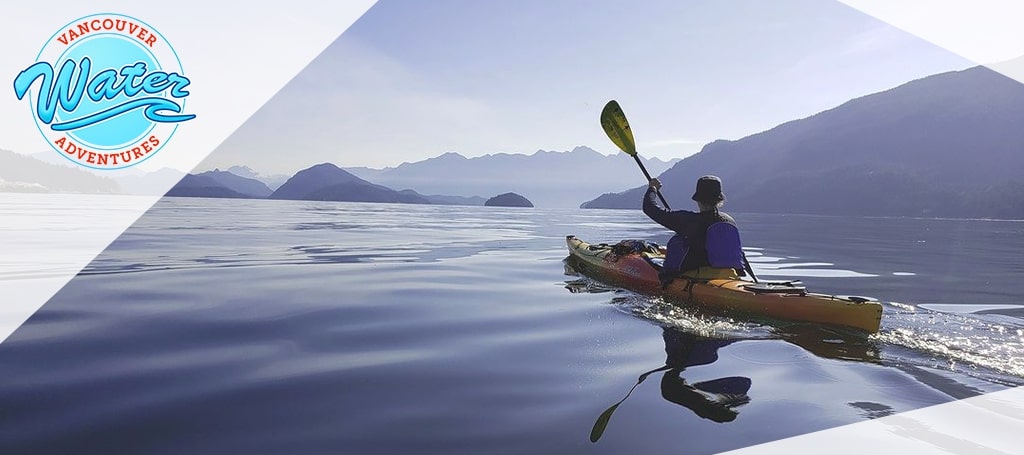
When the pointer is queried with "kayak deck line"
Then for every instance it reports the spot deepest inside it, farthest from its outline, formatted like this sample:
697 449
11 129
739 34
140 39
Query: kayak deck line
635 268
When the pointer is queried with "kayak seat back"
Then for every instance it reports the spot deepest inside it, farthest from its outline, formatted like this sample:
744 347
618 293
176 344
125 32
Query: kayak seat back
723 246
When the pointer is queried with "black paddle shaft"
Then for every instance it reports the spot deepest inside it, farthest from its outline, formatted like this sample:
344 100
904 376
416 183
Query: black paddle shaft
646 174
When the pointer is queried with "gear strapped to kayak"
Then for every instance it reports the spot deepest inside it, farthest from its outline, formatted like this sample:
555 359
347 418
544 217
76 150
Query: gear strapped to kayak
635 265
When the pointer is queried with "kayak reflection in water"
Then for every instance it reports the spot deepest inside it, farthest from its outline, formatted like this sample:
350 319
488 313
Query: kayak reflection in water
715 400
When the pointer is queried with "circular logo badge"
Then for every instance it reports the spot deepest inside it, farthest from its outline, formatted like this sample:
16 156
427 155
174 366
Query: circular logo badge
107 91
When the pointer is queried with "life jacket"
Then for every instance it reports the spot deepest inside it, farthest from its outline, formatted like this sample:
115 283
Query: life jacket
715 242
723 246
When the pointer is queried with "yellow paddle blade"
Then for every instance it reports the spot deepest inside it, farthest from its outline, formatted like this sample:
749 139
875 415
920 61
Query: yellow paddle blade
617 127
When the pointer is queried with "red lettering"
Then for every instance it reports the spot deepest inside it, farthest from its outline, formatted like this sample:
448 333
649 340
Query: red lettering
151 40
61 141
138 154
148 148
153 140
91 159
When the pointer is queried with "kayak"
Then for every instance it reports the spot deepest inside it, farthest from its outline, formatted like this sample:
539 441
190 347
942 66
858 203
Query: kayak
634 265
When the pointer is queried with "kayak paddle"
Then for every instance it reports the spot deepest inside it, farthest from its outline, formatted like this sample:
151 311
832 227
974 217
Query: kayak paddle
615 125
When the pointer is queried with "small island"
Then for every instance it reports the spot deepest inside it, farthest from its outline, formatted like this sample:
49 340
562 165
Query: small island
508 200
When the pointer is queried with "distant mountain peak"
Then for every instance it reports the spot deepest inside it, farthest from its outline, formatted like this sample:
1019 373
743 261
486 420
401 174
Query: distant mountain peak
218 183
584 149
446 157
324 167
243 171
327 181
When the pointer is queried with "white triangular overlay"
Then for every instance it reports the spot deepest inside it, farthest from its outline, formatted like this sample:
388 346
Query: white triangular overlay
989 32
237 55
987 424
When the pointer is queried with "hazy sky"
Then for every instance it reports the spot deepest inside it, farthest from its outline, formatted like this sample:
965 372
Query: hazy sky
412 80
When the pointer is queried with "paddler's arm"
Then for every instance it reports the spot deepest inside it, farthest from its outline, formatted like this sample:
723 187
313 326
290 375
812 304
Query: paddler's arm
651 208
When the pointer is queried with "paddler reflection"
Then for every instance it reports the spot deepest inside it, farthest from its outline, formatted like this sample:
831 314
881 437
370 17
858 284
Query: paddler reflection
715 400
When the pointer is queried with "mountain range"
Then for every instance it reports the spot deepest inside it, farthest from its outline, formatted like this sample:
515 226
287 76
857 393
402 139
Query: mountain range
948 145
23 173
547 178
446 179
327 182
128 181
218 183
323 182
271 181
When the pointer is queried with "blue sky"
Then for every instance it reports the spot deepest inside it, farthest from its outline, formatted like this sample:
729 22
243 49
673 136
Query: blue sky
412 80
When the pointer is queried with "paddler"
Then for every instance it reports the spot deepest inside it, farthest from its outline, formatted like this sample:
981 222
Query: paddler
703 239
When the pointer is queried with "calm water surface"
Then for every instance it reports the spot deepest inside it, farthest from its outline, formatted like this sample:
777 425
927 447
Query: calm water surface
217 326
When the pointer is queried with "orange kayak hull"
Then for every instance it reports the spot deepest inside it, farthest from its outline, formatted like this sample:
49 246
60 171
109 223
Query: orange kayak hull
721 291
